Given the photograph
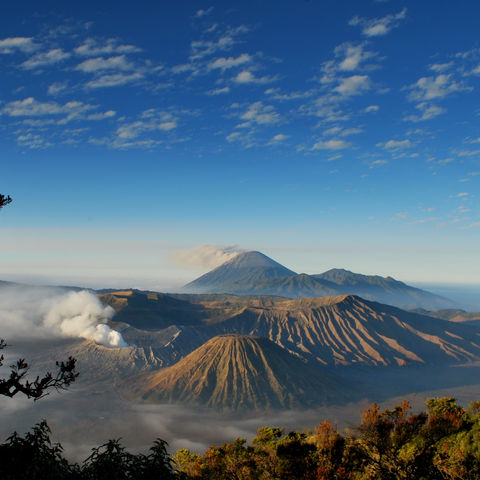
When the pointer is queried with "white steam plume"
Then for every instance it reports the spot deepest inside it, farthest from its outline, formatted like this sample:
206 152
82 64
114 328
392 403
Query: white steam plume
29 312
208 256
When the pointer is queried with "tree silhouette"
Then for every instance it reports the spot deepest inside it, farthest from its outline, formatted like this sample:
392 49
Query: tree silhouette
4 200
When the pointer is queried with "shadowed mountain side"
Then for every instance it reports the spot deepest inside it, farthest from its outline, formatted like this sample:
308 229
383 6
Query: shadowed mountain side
294 286
235 372
152 310
382 289
347 330
248 268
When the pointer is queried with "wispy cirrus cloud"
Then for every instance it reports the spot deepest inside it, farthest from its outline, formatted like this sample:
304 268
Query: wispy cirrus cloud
225 41
203 12
432 88
45 59
375 27
29 107
353 85
92 47
394 145
97 64
114 80
332 144
427 112
278 138
353 57
15 44
247 77
225 63
259 114
148 130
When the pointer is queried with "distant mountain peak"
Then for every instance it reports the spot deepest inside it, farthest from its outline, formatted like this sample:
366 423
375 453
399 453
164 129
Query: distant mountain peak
244 269
253 273
254 259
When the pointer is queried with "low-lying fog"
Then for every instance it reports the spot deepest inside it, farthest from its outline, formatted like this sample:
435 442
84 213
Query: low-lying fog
86 416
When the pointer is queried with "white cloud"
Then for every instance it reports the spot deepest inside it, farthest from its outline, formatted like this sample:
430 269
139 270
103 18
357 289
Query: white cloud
94 48
246 76
33 141
223 63
57 87
219 91
428 111
183 68
13 44
202 13
354 85
377 163
29 107
276 95
374 27
333 144
226 40
342 132
97 64
132 134
42 59
279 138
114 80
396 144
102 115
352 56
440 67
429 88
332 131
372 108
260 114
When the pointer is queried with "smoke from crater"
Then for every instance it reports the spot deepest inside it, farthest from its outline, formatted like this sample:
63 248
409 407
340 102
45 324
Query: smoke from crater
36 312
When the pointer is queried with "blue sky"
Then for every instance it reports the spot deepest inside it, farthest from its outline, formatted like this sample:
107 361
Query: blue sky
323 133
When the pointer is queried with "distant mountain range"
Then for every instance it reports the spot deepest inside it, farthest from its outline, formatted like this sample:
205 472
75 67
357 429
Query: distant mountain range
259 352
340 330
253 273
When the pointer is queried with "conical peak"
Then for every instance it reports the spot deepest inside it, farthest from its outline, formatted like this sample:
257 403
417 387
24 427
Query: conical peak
252 259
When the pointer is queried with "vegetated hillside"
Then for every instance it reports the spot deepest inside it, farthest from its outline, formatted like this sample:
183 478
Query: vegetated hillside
252 273
235 372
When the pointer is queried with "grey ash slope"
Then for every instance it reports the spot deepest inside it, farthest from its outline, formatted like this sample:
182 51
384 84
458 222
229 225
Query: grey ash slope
253 273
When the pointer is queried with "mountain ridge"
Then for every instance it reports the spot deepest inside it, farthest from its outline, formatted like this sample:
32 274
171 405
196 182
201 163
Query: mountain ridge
253 273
